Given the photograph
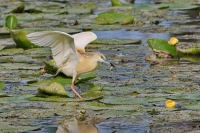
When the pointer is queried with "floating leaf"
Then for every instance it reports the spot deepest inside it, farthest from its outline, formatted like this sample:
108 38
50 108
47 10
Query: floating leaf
112 17
21 40
92 94
116 41
119 3
175 6
161 45
2 85
32 10
12 51
53 89
11 22
116 3
83 9
19 9
1 47
189 51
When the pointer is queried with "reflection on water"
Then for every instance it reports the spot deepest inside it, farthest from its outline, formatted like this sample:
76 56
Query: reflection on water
135 35
115 127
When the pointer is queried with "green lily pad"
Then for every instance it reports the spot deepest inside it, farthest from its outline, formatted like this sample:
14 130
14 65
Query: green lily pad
92 94
33 10
112 17
82 9
13 51
53 89
123 100
162 45
193 106
19 9
119 3
2 85
21 66
116 41
11 22
21 40
189 51
176 6
191 96
6 127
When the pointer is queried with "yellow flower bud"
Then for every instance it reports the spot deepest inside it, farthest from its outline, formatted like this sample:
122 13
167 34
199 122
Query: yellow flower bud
170 104
173 41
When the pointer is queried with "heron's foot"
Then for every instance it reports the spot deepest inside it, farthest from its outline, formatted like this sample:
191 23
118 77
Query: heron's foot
75 92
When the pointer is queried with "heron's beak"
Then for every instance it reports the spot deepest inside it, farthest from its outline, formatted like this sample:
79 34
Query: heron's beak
111 64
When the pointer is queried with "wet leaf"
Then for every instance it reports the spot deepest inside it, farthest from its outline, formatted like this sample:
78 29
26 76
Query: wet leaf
21 40
6 127
13 51
190 96
119 3
2 85
112 17
11 22
1 47
53 89
176 6
161 45
123 100
32 10
92 94
19 9
116 41
83 9
189 51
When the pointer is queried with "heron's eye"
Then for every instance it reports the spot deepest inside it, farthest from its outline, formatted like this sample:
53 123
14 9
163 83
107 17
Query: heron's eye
103 58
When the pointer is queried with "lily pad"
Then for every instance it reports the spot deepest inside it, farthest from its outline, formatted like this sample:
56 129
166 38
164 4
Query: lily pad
119 3
191 96
176 6
112 17
21 40
162 45
92 94
53 89
13 51
116 41
82 9
11 22
2 85
19 9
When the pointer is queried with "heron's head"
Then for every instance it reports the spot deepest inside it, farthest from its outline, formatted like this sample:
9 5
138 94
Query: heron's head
101 58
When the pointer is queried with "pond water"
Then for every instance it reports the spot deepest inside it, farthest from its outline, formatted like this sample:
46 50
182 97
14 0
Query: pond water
135 72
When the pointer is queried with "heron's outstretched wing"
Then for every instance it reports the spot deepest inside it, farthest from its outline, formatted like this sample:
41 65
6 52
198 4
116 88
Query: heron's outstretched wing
62 46
82 39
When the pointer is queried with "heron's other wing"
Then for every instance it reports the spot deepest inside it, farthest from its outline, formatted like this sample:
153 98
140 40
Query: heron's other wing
62 45
82 39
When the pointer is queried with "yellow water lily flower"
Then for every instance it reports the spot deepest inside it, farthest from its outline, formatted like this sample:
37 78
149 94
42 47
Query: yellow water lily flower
173 41
170 104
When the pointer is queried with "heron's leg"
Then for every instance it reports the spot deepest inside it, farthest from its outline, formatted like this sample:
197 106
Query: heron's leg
72 86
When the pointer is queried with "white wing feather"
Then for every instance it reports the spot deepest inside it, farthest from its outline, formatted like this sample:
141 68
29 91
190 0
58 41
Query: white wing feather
82 39
62 46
